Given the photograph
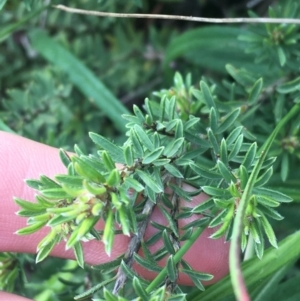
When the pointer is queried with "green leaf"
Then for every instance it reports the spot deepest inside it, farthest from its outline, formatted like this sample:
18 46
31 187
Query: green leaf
113 178
212 47
60 219
255 91
45 251
110 265
55 194
64 157
224 216
133 183
108 233
269 231
81 76
224 152
204 206
122 213
213 141
208 174
233 135
167 242
284 170
250 156
225 172
171 223
172 148
2 3
107 161
139 289
146 264
208 98
31 228
289 87
78 251
216 192
143 137
147 179
85 226
128 155
94 188
114 151
28 205
69 180
171 269
153 155
264 178
173 171
137 144
272 194
213 120
228 121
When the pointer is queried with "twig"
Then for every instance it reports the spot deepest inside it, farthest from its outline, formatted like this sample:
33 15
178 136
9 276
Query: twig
176 17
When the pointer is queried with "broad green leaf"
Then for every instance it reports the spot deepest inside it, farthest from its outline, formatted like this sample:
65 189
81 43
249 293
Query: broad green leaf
225 172
28 205
212 47
31 228
128 155
289 87
147 179
167 242
81 76
228 121
216 192
59 219
224 152
45 251
272 194
85 226
107 161
171 269
153 155
114 151
269 231
146 264
64 157
204 206
139 289
133 183
213 141
236 147
113 178
250 156
255 91
208 98
69 180
172 148
284 170
137 145
143 137
55 194
213 120
233 135
264 178
205 172
173 171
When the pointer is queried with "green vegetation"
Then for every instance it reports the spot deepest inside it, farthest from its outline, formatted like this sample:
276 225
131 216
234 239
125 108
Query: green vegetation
224 118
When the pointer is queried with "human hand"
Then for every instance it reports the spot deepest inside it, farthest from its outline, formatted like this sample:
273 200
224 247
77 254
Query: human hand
21 159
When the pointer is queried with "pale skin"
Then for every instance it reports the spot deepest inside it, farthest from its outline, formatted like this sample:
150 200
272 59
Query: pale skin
21 159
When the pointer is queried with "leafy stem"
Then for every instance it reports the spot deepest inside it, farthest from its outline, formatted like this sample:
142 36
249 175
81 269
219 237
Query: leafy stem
234 256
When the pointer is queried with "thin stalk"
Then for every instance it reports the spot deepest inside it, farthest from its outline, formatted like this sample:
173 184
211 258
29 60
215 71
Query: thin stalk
237 280
176 17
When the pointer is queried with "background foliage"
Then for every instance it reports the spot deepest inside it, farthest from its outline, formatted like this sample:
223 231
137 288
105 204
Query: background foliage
107 65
